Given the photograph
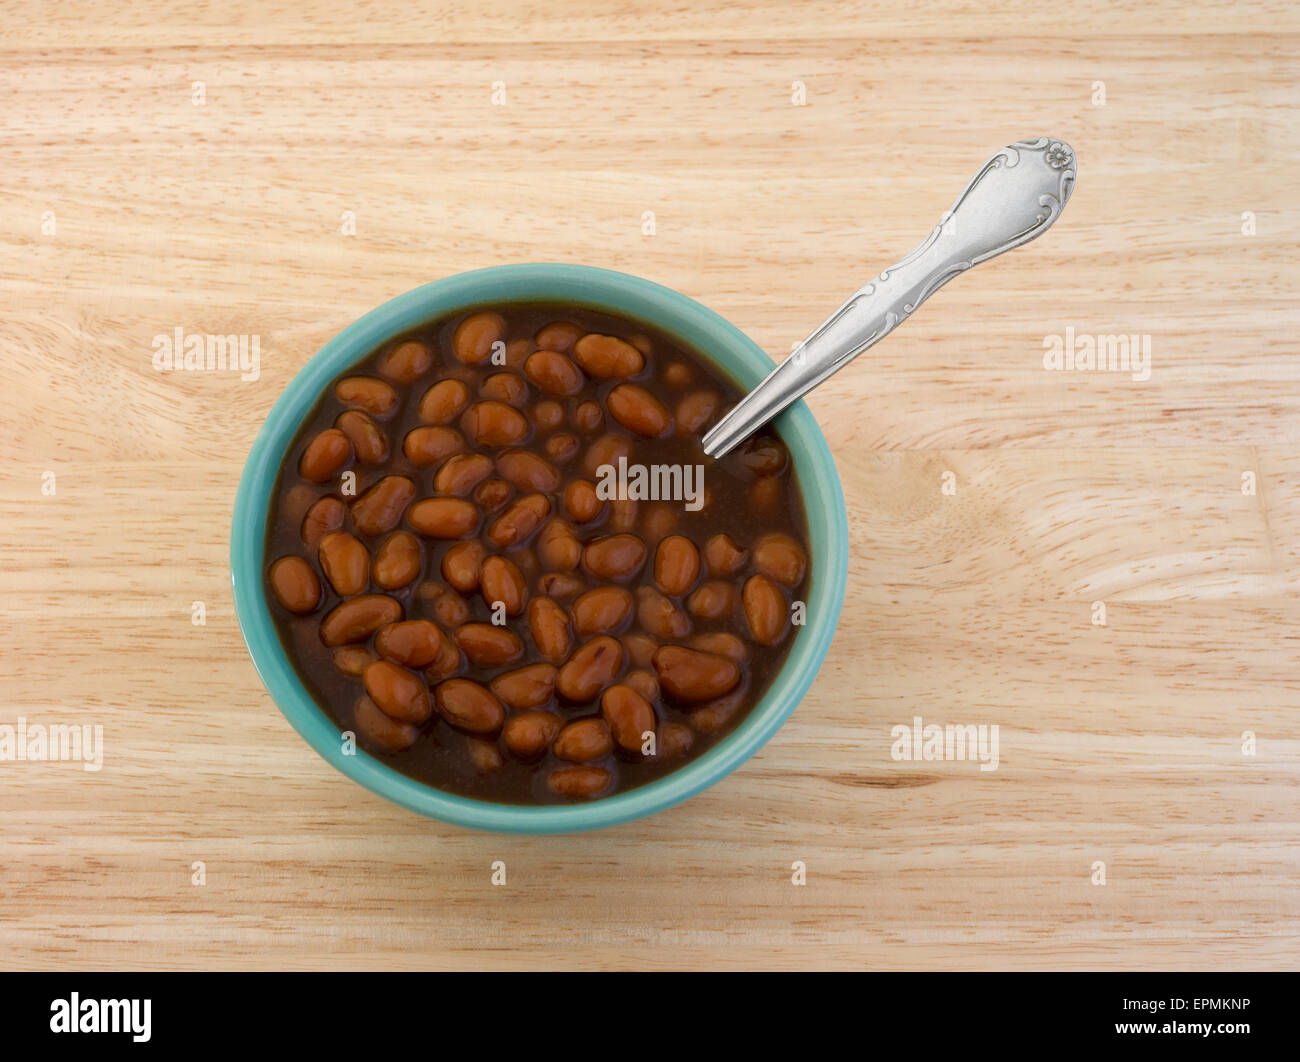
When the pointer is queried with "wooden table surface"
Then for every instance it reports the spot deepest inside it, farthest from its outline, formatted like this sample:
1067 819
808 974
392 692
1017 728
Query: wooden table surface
137 201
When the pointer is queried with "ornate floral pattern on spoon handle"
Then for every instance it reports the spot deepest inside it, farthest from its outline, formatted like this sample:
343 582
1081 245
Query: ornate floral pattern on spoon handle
1013 198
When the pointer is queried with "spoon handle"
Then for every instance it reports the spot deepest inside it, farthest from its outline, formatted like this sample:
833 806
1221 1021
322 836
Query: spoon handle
1014 197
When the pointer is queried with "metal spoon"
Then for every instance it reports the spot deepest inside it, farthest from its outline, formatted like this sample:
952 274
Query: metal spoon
1013 198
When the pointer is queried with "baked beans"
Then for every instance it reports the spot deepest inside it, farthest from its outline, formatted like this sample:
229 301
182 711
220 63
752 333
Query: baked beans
481 610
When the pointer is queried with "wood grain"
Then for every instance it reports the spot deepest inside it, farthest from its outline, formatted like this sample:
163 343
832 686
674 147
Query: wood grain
1119 743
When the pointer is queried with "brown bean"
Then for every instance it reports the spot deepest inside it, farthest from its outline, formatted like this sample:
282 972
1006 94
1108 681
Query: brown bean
294 583
677 565
766 494
638 411
560 585
553 373
411 643
444 402
689 676
607 357
722 643
527 562
559 335
492 494
462 565
659 616
778 555
660 521
351 660
644 682
588 417
528 687
447 664
483 754
581 502
562 447
345 561
398 693
529 734
365 392
628 715
406 362
448 607
605 452
765 609
583 740
764 456
368 442
622 514
588 671
696 410
325 456
491 423
296 500
548 415
711 717
714 600
501 580
380 509
358 618
444 518
675 739
517 351
640 648
723 556
519 521
428 445
549 625
462 473
505 387
326 515
469 706
487 646
678 374
602 610
381 729
614 557
429 591
579 781
527 471
475 336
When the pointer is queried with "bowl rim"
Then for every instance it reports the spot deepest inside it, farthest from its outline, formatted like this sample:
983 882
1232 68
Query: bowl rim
679 316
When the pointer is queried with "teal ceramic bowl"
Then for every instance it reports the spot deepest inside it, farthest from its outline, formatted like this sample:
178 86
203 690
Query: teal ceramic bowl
698 328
